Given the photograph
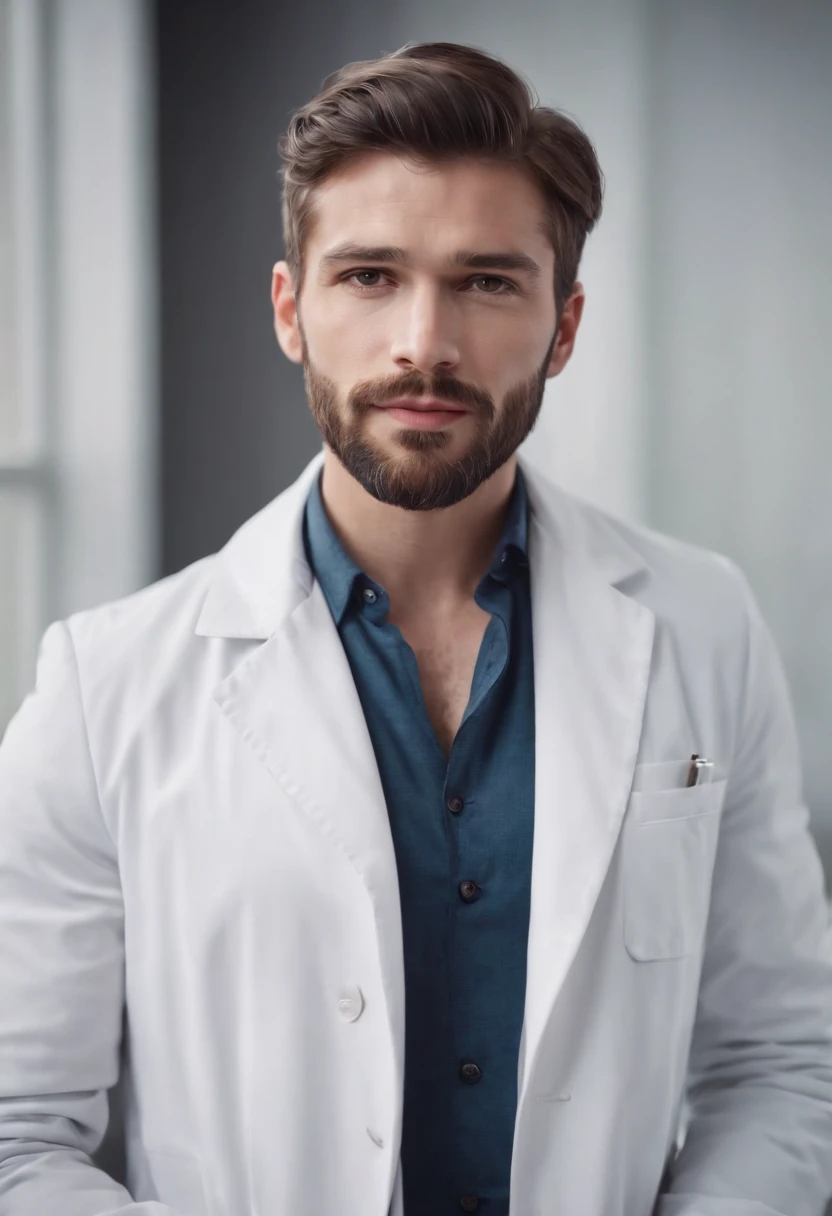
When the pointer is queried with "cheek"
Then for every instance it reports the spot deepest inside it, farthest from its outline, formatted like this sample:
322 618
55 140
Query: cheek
504 358
504 337
338 343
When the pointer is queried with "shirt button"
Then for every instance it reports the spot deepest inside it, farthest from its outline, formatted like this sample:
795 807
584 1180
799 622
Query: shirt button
351 1004
469 1203
455 804
468 890
370 595
470 1072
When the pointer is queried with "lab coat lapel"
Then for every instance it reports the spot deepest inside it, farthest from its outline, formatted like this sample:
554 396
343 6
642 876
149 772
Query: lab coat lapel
293 701
592 654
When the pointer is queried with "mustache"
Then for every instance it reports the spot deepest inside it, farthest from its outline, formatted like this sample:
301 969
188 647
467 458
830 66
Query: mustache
375 392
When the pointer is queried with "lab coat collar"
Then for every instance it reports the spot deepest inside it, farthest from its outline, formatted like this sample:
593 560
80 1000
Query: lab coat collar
262 574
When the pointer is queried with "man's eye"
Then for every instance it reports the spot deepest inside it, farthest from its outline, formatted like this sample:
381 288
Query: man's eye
359 274
493 278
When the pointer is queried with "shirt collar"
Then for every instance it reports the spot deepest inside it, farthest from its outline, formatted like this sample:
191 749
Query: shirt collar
339 575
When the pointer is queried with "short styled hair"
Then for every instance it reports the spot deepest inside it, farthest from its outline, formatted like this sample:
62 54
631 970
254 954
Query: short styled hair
434 102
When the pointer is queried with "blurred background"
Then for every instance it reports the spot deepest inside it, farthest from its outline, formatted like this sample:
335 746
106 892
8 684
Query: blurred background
146 409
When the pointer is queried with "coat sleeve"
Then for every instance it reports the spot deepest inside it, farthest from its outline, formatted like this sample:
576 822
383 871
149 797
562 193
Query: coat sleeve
61 957
759 1095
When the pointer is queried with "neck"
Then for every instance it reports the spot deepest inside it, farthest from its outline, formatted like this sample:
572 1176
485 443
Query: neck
429 562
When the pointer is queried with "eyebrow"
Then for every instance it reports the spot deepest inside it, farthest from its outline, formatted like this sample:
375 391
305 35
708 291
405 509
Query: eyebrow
349 251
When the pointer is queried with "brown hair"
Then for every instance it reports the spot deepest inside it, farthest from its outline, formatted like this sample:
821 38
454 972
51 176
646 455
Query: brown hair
439 101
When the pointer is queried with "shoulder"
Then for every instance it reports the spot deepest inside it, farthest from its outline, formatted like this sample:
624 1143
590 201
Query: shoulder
158 616
697 592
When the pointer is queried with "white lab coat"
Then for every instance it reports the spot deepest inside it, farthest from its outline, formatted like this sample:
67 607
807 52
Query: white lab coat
192 828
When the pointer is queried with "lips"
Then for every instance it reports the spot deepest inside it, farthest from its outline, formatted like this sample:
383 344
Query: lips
432 419
423 407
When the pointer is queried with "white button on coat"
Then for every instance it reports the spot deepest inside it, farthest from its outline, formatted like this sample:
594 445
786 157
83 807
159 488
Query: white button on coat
351 1003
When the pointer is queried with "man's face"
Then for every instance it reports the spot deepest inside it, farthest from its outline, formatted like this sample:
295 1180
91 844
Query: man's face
370 329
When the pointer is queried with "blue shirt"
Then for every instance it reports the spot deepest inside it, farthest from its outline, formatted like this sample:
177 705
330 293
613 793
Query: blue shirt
456 821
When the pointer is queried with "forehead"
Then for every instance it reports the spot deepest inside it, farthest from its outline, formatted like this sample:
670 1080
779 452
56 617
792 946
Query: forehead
380 198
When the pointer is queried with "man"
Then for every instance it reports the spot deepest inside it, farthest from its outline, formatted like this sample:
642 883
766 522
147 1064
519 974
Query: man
440 843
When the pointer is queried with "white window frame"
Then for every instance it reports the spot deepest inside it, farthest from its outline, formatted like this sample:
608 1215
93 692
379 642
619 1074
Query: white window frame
86 305
29 470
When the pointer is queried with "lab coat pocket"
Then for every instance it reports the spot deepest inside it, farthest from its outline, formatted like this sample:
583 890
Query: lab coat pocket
177 1180
664 775
668 848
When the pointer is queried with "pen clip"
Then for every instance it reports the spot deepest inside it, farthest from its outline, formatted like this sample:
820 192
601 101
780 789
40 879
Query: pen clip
697 763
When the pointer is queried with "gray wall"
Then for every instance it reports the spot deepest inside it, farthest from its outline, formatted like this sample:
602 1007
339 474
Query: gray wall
235 429
740 435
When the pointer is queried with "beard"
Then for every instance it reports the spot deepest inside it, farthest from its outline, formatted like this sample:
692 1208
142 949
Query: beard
417 476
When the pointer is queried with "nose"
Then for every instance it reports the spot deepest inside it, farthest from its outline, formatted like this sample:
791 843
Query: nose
424 337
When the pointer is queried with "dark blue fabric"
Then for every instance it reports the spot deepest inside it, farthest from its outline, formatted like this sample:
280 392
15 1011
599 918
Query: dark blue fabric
464 962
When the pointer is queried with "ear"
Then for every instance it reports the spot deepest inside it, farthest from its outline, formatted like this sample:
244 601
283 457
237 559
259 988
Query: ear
286 326
567 331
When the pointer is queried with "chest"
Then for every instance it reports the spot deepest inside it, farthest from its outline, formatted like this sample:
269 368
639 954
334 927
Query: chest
446 656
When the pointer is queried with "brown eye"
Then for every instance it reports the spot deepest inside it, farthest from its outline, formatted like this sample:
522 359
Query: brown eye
362 273
355 275
494 279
